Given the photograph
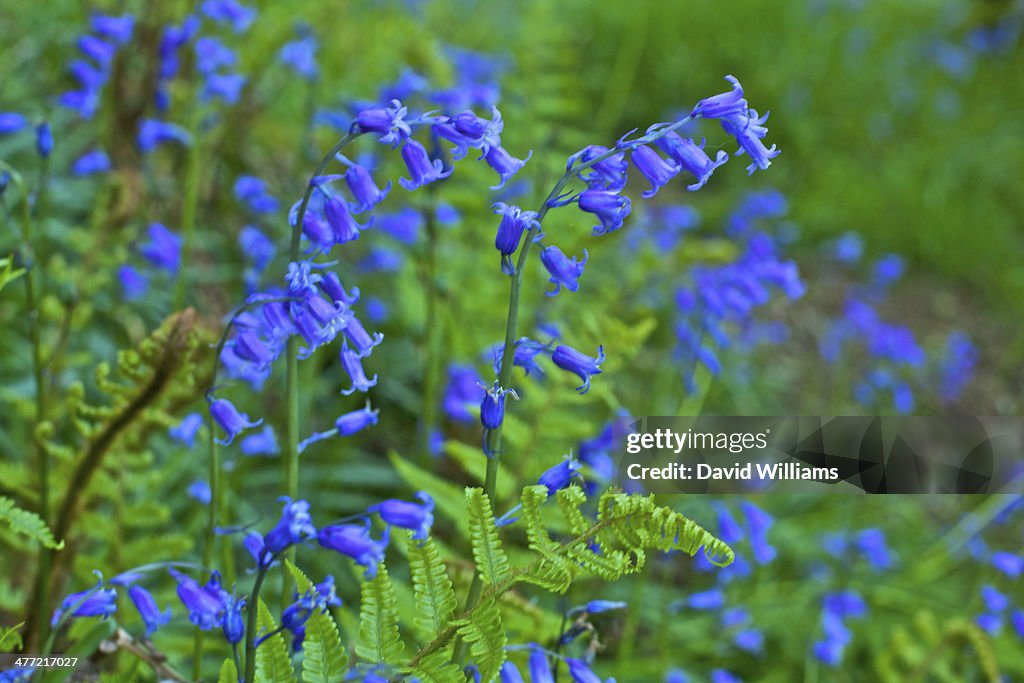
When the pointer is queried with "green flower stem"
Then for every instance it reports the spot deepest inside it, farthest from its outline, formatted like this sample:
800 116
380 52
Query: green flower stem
250 621
432 331
508 355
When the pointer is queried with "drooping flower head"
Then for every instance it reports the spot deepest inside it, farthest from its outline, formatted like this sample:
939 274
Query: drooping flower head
94 602
355 541
151 615
579 364
563 270
295 526
230 420
514 222
389 122
610 207
412 516
559 476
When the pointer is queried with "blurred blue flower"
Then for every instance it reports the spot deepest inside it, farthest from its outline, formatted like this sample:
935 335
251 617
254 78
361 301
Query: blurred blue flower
200 491
119 29
300 56
205 604
134 284
90 163
238 16
186 430
44 139
163 249
260 443
11 122
153 133
461 393
872 544
94 602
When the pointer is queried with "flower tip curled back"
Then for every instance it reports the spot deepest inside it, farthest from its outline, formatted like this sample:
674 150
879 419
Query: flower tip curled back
230 420
583 366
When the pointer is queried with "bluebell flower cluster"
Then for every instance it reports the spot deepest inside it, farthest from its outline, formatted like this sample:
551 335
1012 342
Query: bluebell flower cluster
99 48
299 55
837 608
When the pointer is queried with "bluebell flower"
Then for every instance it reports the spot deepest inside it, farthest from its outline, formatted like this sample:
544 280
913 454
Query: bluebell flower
11 122
653 167
200 491
295 526
1008 563
758 522
993 599
492 407
90 163
339 217
172 40
846 603
722 105
461 393
400 513
355 541
230 420
510 674
355 421
540 670
610 208
992 624
261 443
186 430
86 102
153 133
583 366
119 29
331 285
848 248
224 87
364 191
212 55
692 157
18 675
525 355
676 676
956 366
597 607
422 169
163 249
253 191
563 270
96 49
389 122
94 602
382 260
728 529
723 676
233 624
514 221
504 164
236 15
466 130
750 640
580 672
361 340
404 225
205 604
44 139
1017 618
607 174
709 599
749 130
350 360
737 616
300 56
871 543
560 476
446 214
151 615
134 284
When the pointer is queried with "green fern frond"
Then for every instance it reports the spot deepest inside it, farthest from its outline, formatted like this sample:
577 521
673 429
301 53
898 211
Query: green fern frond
27 523
491 561
437 667
379 639
483 629
324 658
435 596
228 672
273 661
